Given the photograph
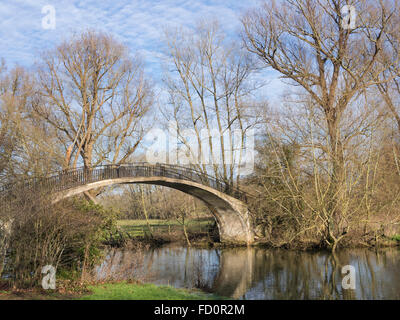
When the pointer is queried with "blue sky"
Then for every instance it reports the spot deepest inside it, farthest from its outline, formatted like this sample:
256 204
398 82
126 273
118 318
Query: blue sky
137 23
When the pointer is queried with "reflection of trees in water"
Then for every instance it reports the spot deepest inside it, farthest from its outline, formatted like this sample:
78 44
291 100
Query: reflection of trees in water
279 274
184 267
257 273
122 265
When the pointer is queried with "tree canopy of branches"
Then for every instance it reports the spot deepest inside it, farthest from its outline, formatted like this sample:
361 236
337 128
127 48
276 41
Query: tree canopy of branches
95 95
28 145
210 91
309 44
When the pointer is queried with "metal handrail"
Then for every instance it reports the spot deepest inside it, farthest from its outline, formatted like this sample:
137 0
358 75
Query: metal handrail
66 179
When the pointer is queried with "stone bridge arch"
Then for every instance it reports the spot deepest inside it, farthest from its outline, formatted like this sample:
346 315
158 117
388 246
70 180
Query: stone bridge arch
231 214
228 205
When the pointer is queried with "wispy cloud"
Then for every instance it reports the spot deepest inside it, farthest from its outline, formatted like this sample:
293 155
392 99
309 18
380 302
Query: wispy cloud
137 23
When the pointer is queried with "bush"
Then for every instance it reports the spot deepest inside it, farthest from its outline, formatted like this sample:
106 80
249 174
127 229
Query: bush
67 235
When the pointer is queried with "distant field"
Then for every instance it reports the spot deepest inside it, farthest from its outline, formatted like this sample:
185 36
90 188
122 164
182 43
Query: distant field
139 228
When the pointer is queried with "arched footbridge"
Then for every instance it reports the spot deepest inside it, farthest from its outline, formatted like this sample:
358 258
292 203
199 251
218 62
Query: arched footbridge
227 204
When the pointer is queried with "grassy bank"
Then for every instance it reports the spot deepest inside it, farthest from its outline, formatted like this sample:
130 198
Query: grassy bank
111 291
130 291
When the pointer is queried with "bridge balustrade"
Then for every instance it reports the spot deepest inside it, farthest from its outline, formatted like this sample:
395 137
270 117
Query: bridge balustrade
67 179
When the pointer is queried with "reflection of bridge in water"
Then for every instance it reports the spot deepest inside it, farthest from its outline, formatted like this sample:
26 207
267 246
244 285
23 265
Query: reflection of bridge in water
227 204
256 273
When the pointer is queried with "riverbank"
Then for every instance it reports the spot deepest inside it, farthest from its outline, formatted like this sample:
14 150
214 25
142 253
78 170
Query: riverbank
156 232
202 233
110 291
238 273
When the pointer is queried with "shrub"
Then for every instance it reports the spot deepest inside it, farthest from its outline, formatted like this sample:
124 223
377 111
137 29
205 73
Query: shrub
67 235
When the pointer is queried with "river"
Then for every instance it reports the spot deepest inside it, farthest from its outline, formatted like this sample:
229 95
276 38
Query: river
256 273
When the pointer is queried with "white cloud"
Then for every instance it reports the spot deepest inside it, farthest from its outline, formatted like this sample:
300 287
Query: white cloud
137 23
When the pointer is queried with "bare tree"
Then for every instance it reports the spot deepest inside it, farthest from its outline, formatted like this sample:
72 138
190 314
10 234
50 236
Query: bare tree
388 82
210 92
312 47
27 143
95 95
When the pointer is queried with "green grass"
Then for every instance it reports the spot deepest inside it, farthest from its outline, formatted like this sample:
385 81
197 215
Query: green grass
130 291
396 237
137 228
115 291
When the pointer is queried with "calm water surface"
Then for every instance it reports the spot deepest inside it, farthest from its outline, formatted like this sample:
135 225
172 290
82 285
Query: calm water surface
254 273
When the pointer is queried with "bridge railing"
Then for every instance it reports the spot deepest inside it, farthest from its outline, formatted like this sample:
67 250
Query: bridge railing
68 179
